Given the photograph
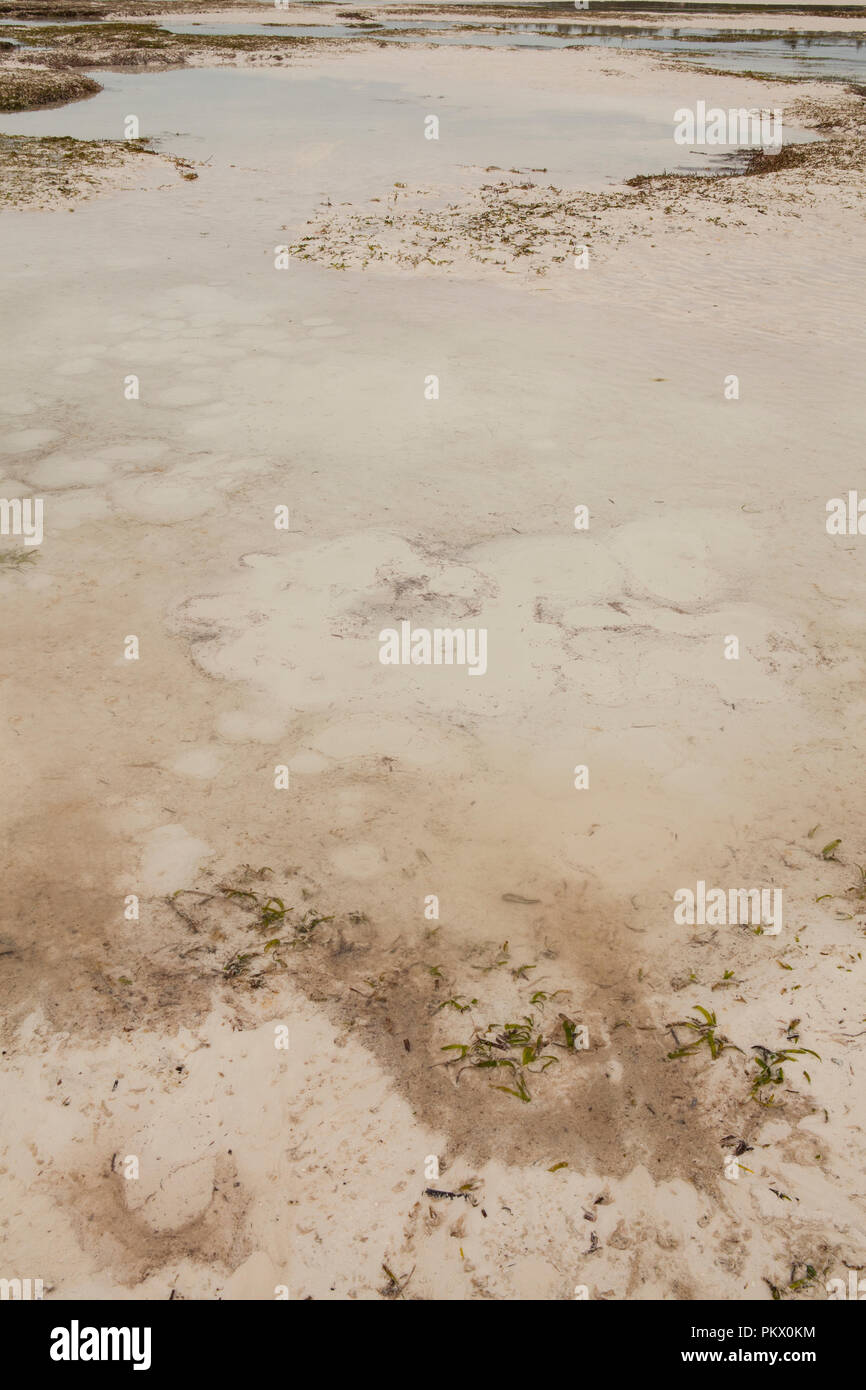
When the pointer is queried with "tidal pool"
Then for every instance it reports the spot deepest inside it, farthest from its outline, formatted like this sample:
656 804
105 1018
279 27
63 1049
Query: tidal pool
362 134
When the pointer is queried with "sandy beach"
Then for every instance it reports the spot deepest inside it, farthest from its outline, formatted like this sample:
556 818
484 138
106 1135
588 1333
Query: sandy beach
329 978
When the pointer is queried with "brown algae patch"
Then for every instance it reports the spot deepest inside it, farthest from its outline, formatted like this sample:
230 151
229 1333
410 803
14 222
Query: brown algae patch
119 45
26 88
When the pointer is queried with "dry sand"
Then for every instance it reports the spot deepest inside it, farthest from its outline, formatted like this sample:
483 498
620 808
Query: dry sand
306 1168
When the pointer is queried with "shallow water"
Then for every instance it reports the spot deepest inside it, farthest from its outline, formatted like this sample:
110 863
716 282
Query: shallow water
260 119
830 56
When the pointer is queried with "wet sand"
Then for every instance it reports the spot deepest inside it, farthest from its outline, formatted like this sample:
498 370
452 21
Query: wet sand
307 1167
